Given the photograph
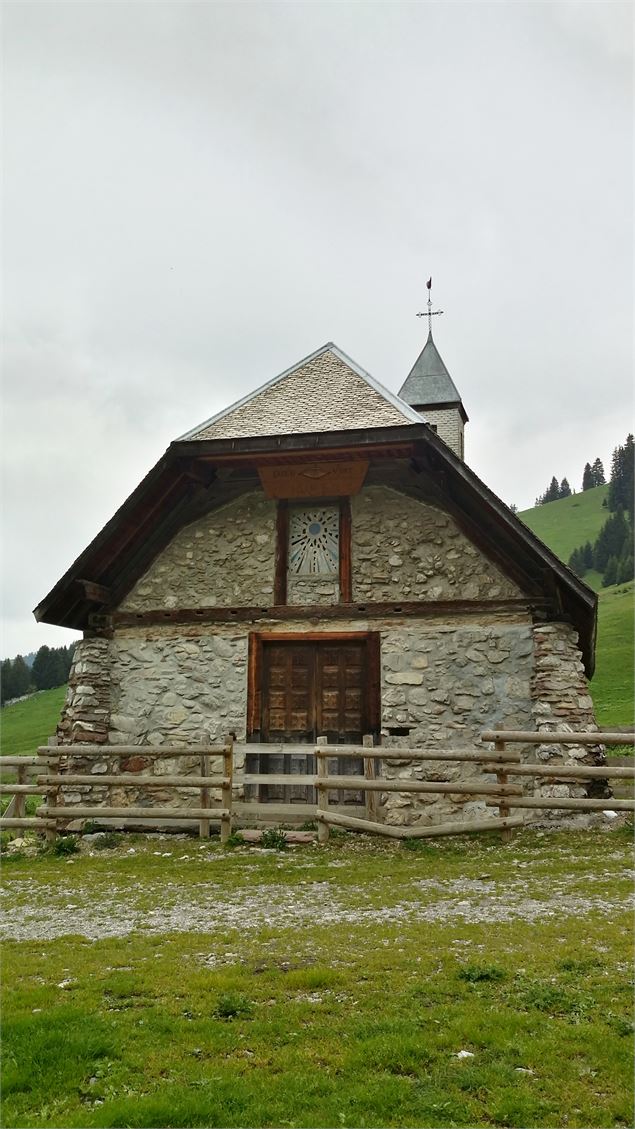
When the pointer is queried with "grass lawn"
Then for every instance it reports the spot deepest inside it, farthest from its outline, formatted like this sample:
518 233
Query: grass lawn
570 522
30 723
167 982
612 684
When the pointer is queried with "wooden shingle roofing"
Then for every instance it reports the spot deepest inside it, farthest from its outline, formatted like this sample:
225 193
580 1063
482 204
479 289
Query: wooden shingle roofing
326 391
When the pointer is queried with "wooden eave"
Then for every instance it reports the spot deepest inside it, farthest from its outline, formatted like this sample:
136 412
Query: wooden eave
177 490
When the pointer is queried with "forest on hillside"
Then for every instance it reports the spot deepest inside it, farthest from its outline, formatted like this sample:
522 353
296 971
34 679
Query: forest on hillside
611 554
50 667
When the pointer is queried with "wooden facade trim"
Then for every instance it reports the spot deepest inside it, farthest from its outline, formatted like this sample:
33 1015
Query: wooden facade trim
540 608
346 579
282 553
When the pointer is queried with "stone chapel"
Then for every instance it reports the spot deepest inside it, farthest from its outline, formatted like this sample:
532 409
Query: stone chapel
318 559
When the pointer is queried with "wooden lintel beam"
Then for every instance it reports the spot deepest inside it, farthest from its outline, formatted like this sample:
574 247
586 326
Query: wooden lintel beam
296 453
94 592
198 470
418 608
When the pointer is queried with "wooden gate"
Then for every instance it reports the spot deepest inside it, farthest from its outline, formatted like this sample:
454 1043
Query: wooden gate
309 686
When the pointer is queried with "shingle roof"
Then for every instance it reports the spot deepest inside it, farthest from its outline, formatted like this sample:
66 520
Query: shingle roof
326 391
429 382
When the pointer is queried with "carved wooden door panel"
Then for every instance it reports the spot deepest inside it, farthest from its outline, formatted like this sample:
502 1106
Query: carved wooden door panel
310 690
340 698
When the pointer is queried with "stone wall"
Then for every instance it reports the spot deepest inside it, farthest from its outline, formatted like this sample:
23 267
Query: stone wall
442 684
403 549
86 711
561 701
172 686
225 558
309 591
446 684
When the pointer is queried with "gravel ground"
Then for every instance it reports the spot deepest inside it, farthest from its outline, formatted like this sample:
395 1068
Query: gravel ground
39 911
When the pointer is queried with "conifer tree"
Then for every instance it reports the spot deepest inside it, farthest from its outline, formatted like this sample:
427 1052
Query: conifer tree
597 471
553 491
610 572
21 677
612 541
621 486
576 562
625 569
565 489
587 477
6 681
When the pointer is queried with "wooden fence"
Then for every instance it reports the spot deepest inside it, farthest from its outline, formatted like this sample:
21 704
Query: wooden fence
47 774
504 762
52 782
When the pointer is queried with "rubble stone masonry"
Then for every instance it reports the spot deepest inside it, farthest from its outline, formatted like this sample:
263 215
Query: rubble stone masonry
443 681
405 550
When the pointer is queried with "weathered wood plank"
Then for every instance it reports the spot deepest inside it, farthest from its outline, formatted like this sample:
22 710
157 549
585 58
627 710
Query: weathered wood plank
77 811
464 828
21 790
565 803
567 771
228 768
419 832
280 811
28 822
95 593
17 762
407 608
133 779
101 752
517 736
478 788
357 824
323 794
280 778
412 754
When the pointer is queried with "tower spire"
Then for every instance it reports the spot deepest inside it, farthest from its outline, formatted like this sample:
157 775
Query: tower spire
429 313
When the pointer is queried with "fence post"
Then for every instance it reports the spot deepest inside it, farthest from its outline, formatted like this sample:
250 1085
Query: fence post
52 791
323 793
227 791
503 809
371 798
203 827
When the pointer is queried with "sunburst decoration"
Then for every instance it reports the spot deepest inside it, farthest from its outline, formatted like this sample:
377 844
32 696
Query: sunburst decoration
314 541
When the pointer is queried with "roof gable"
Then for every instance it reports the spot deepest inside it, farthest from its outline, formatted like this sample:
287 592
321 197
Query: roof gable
429 381
326 391
184 484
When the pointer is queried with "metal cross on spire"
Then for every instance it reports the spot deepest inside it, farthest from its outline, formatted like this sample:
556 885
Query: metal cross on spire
429 313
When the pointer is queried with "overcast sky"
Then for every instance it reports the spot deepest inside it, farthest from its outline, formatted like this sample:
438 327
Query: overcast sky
197 195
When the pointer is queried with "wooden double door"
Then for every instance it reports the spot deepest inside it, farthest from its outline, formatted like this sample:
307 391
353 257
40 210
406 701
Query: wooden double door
308 690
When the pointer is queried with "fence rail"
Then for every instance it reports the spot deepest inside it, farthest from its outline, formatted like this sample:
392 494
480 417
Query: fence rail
51 782
44 775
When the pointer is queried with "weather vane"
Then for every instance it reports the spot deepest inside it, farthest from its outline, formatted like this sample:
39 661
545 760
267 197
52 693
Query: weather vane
429 313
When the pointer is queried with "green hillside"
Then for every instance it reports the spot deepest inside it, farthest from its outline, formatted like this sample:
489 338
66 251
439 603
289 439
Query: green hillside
28 724
570 522
612 684
564 526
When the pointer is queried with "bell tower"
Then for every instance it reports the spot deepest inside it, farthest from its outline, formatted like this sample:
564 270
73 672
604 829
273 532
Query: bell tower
430 390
